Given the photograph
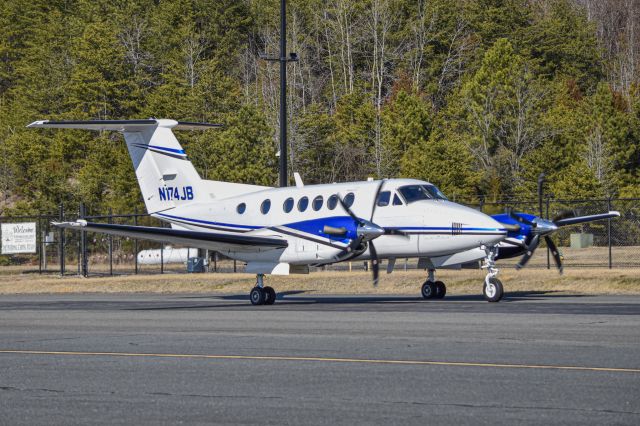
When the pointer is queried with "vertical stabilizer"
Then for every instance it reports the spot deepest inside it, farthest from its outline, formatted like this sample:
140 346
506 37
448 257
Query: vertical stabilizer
166 177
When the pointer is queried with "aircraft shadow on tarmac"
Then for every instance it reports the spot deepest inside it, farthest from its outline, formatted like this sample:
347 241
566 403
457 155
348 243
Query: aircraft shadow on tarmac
293 298
306 297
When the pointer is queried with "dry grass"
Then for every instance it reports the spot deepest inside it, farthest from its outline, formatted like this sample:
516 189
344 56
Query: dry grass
579 281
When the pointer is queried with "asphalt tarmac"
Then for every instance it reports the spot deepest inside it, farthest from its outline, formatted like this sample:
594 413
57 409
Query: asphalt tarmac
168 359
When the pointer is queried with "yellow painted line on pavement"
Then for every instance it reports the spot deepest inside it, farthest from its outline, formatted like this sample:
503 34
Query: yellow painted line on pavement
322 359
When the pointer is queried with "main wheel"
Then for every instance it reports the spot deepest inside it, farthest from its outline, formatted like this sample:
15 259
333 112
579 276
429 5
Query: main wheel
493 291
257 296
429 290
441 290
269 296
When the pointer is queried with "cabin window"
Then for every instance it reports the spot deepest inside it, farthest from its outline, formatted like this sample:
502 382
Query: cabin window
303 203
265 206
241 208
383 198
288 205
332 202
317 203
349 199
396 200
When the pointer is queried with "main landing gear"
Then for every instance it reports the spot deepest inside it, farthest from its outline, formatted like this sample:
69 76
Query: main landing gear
261 295
432 289
492 288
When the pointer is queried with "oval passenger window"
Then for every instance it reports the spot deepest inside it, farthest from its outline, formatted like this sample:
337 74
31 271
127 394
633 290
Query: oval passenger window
241 208
287 206
303 203
265 206
332 202
349 199
317 203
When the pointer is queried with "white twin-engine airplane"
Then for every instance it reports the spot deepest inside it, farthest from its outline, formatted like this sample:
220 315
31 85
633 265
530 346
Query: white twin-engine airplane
281 231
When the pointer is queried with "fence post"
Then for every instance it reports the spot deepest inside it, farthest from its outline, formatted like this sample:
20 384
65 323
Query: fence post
548 250
83 244
135 241
162 255
40 244
609 233
110 244
61 241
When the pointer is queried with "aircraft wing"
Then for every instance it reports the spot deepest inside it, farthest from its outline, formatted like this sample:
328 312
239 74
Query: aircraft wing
212 241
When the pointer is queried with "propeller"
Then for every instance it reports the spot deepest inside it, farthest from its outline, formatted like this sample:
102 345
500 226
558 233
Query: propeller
366 232
543 228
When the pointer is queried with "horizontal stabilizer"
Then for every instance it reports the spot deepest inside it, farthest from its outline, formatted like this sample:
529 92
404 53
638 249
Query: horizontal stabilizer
123 125
205 240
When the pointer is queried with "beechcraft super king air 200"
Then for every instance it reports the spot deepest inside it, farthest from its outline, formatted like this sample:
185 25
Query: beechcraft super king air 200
286 230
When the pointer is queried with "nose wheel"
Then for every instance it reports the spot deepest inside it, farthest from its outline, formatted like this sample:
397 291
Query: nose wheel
261 295
493 290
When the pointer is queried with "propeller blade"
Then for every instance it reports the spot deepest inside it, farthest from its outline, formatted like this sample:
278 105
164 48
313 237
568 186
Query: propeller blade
516 243
521 219
375 199
375 265
563 215
582 219
554 252
511 227
348 210
540 190
393 231
532 248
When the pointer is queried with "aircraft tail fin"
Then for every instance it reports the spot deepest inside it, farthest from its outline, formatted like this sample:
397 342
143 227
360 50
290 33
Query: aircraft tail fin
166 177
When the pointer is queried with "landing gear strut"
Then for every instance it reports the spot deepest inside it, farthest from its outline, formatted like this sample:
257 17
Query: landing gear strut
432 289
492 288
261 295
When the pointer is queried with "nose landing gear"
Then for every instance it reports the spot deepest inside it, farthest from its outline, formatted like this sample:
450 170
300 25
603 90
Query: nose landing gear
492 288
261 295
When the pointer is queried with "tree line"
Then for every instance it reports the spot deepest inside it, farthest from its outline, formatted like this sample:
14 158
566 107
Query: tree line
476 96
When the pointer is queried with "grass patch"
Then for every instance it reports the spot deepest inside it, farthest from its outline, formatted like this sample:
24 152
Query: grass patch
578 281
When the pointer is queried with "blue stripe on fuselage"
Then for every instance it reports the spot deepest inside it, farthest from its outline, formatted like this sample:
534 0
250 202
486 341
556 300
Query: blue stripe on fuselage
316 226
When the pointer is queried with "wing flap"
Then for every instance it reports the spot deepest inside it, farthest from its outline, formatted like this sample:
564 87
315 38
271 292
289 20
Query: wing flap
205 240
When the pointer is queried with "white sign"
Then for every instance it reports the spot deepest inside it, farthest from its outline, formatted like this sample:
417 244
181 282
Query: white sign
18 237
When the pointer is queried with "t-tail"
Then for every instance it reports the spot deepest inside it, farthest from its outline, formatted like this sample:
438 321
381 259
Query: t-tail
166 177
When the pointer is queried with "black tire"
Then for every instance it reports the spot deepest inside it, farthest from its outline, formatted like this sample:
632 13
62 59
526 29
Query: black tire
257 296
429 290
494 292
270 296
441 290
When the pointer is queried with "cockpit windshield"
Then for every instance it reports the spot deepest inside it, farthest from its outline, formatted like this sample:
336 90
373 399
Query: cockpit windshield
412 193
437 194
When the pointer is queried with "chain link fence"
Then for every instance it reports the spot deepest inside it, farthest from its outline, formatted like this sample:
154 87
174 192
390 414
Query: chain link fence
611 243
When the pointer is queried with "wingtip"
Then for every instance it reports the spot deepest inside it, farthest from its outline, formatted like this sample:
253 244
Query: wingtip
80 223
615 213
37 123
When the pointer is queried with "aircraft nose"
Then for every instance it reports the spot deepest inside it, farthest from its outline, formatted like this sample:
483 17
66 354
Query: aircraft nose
493 231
